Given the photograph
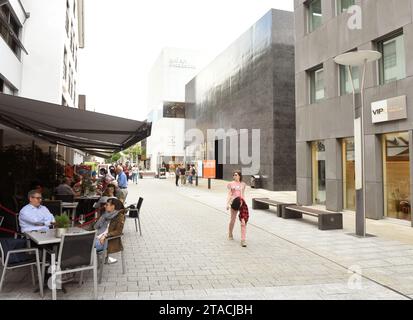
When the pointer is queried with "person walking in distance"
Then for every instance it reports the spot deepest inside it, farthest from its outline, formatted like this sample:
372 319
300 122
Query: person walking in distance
235 201
183 175
177 173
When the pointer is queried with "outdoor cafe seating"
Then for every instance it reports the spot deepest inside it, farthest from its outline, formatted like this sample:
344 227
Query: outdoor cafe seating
15 254
76 253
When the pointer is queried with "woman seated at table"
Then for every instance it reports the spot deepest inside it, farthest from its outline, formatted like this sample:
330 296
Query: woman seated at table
110 224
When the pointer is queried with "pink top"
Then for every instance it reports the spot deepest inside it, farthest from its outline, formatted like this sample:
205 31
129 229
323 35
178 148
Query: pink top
236 189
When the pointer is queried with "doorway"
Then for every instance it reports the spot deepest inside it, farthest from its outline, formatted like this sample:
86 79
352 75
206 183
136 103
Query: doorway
319 172
219 159
396 152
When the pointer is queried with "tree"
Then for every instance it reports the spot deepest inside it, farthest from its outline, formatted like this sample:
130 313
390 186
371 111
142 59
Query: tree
115 157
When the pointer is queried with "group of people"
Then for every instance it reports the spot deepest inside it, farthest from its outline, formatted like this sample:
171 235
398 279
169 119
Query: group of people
116 177
183 174
36 217
110 207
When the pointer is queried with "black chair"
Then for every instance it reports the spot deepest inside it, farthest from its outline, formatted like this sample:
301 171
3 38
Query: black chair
65 197
77 253
54 206
15 254
134 213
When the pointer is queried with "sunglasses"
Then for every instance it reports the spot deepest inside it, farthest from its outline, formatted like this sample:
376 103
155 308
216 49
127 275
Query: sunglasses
38 198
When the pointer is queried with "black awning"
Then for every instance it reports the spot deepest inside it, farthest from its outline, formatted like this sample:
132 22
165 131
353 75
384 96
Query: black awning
95 133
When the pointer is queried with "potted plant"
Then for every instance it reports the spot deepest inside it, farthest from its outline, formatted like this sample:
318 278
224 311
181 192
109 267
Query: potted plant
61 225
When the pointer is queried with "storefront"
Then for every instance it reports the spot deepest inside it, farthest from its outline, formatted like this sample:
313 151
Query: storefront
349 174
396 173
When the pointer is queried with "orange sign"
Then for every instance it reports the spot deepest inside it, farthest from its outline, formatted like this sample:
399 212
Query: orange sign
209 169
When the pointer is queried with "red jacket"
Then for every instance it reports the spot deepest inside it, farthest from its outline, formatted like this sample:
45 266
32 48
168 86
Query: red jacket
244 212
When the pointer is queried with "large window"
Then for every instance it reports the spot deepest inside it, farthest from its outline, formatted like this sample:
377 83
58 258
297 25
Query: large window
174 110
319 172
10 30
315 15
345 80
343 5
393 62
397 176
317 90
349 174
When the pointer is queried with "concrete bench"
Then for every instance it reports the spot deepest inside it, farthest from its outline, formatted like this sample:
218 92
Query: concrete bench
326 220
265 203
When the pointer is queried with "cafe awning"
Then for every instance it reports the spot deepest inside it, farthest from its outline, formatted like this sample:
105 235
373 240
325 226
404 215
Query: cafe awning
95 133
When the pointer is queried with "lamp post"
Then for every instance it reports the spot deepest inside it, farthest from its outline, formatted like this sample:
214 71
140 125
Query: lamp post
349 60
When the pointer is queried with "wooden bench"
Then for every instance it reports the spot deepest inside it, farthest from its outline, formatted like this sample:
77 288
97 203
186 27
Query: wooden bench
265 203
326 220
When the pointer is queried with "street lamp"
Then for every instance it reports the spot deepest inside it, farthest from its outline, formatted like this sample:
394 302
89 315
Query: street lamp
359 59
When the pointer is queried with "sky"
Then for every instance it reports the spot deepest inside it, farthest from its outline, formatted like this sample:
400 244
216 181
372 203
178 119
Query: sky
123 38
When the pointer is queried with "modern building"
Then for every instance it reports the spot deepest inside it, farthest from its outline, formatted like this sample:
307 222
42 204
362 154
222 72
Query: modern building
53 35
324 105
13 17
166 105
249 86
39 43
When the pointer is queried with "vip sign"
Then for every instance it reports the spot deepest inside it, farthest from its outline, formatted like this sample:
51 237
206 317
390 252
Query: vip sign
389 110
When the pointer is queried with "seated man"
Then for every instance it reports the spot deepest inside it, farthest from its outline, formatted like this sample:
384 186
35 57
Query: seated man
64 188
34 216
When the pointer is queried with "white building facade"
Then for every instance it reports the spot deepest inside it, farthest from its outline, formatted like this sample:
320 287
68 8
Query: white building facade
173 69
39 45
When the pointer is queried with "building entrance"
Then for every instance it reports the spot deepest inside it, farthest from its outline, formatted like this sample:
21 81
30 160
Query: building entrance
397 176
349 175
319 172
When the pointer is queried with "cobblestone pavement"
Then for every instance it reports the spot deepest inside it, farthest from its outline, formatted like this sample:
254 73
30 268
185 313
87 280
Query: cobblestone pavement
184 253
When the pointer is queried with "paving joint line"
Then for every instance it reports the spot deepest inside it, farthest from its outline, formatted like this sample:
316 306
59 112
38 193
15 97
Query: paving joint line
302 247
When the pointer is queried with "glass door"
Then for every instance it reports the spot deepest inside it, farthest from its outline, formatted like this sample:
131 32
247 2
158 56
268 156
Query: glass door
349 174
319 172
397 176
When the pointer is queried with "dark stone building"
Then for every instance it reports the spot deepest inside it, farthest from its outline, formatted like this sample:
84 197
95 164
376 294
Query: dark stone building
250 86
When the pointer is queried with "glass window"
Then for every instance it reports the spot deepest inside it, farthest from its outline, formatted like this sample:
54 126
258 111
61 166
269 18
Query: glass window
393 62
349 174
397 176
10 30
174 110
343 5
317 85
345 80
319 172
315 15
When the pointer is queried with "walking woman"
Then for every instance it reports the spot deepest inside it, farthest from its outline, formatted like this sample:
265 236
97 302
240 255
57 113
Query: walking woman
235 200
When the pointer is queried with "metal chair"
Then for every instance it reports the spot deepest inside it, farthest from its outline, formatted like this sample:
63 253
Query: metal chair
77 253
103 255
54 206
65 197
134 213
19 258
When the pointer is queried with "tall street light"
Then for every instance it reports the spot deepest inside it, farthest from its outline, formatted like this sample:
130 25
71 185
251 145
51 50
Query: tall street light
359 59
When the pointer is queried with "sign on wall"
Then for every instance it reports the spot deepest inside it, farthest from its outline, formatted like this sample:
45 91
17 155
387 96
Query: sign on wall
209 169
389 110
